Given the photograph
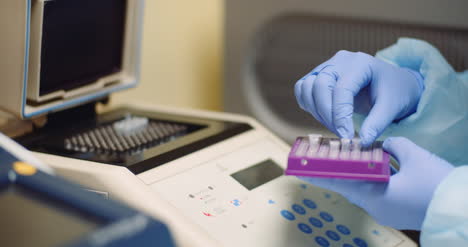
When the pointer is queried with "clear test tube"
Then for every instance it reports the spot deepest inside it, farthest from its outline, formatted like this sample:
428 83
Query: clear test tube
334 149
324 149
366 153
345 148
313 138
356 149
314 144
301 150
377 152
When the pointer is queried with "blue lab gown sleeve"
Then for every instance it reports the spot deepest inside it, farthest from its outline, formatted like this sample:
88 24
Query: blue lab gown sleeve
440 123
446 221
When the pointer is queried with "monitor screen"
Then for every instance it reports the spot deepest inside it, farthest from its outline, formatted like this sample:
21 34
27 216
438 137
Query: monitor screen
258 174
28 220
82 41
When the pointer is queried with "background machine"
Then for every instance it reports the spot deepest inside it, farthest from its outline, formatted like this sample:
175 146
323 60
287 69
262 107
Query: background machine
216 179
270 44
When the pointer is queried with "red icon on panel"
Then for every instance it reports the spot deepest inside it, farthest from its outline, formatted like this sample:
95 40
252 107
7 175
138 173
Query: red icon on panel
207 214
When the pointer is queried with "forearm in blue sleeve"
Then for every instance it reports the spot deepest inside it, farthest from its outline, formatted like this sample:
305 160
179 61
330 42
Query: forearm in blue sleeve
446 221
440 123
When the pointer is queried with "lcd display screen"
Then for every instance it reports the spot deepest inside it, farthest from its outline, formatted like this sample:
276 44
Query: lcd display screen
82 41
258 174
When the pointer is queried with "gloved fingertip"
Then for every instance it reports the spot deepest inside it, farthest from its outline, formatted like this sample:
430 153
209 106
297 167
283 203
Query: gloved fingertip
393 142
387 143
298 88
366 139
344 132
399 147
366 143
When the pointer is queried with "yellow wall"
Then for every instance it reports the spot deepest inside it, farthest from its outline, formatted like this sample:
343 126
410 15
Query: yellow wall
181 55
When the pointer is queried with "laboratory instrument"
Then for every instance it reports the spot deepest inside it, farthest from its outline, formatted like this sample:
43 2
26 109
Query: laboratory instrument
21 153
38 209
318 156
216 179
268 47
229 192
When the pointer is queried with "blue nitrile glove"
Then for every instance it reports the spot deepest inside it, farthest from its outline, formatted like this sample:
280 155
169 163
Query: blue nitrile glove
403 201
386 92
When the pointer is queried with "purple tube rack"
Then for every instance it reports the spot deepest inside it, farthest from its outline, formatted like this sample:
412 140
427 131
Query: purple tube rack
306 166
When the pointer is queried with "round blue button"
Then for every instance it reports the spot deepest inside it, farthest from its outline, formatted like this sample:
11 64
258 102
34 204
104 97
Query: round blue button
309 203
360 242
315 222
347 245
304 228
322 241
298 209
343 229
288 215
333 235
326 216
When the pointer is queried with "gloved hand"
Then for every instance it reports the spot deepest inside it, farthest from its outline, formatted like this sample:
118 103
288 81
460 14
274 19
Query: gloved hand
386 93
403 201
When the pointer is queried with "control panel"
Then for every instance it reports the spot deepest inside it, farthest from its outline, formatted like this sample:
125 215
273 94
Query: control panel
242 197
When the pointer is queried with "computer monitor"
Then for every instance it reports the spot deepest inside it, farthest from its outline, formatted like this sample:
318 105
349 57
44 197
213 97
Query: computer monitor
59 54
81 42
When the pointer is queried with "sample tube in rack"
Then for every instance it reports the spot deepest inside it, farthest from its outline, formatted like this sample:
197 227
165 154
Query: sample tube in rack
318 156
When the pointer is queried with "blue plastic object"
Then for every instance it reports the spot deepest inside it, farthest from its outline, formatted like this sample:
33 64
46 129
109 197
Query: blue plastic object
357 82
100 222
403 202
